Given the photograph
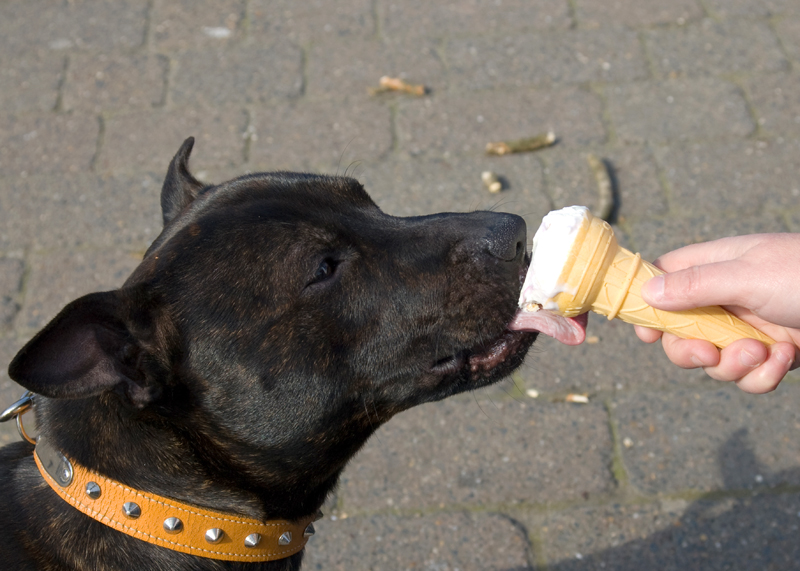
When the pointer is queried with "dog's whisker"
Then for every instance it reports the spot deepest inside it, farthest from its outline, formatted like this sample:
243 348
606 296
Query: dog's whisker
355 164
512 395
339 164
377 414
502 204
475 396
366 411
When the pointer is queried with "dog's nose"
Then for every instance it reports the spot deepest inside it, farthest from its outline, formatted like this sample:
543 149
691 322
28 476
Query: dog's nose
506 238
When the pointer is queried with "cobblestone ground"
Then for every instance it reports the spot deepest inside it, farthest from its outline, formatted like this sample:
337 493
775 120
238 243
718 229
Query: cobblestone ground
694 103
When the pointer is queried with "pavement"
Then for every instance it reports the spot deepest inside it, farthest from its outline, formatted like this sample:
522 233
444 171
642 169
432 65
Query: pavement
692 103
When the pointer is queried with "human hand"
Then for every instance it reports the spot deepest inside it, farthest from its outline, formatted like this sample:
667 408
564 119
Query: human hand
755 277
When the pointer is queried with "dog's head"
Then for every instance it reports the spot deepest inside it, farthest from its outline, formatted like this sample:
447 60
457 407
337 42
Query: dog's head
283 317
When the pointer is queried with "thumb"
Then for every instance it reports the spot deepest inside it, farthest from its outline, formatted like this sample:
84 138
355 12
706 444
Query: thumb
697 286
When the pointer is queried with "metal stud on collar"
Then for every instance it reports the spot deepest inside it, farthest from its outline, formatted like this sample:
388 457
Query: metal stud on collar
173 525
131 510
309 531
214 535
93 490
198 534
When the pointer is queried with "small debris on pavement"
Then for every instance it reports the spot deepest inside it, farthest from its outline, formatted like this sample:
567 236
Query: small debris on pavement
605 193
592 339
491 181
533 393
219 33
580 399
521 145
627 442
387 83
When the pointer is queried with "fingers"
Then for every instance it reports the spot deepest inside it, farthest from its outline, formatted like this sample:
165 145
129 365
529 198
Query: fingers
690 353
754 367
721 283
706 253
766 377
738 360
646 334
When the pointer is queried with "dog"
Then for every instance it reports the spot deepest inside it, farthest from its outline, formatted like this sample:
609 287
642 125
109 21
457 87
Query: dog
275 323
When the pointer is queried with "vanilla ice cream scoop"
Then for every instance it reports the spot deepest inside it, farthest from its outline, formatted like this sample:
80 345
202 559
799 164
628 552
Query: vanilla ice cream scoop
577 266
551 247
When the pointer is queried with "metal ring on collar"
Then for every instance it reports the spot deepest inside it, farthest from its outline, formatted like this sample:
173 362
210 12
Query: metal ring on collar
16 411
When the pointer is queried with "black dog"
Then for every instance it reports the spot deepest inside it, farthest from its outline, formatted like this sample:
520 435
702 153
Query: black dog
277 320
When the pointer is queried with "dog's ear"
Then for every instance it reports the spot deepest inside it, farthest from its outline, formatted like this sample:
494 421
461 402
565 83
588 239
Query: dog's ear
85 350
180 187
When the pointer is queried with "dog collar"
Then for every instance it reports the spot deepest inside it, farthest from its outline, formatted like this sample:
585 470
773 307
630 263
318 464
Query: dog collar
166 522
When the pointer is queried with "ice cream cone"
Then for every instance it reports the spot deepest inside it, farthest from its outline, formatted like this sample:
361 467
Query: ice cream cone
601 276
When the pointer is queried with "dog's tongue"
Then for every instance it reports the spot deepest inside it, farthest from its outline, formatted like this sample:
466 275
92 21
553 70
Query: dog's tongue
568 330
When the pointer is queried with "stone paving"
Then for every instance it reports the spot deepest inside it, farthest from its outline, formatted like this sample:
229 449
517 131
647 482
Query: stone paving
693 103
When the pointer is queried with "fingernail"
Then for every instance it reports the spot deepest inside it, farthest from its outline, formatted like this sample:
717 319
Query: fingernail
655 288
748 360
696 361
784 359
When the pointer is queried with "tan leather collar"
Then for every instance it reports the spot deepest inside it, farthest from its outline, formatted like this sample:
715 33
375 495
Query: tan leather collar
168 523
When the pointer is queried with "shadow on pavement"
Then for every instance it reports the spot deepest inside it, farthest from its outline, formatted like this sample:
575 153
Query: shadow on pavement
756 530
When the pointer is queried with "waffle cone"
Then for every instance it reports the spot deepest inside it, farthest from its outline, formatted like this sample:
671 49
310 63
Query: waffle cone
603 277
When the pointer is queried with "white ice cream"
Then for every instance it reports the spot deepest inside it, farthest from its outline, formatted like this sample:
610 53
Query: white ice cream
551 246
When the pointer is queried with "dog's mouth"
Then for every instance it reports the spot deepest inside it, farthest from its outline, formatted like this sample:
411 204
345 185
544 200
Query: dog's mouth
486 357
567 330
502 354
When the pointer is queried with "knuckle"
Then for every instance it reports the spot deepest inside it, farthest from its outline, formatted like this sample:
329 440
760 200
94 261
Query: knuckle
693 281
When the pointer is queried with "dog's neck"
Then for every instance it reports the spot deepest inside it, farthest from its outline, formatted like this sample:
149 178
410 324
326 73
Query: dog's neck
195 469
157 520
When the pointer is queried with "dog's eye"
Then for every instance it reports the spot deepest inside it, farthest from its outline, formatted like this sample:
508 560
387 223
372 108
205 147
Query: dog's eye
324 271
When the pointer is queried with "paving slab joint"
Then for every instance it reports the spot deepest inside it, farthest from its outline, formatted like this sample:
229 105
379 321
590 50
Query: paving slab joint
663 182
736 81
58 107
169 80
708 12
771 22
14 296
617 467
538 547
652 68
549 183
377 28
147 39
304 50
101 133
572 14
166 65
605 114
24 285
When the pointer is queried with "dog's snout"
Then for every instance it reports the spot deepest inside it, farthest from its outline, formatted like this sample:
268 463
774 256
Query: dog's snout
506 238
